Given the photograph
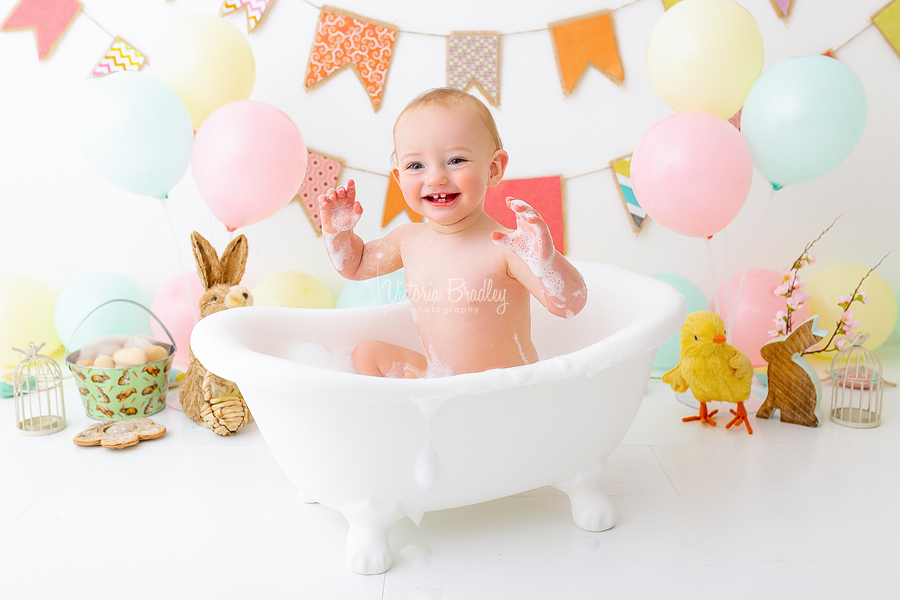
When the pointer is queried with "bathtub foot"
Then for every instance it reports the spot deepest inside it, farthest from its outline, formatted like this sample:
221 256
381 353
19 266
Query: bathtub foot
591 509
368 551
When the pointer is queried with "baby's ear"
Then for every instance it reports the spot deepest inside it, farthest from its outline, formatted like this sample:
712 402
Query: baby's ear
395 173
498 167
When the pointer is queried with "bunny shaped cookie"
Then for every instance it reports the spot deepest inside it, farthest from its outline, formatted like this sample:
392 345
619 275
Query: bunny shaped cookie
207 398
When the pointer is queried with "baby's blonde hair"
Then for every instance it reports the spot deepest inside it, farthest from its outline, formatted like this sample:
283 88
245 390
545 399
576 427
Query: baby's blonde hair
447 96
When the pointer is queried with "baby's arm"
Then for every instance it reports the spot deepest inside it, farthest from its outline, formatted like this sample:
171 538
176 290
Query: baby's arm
353 258
538 266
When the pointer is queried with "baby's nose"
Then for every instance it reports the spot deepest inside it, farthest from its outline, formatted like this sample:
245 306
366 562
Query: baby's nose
437 178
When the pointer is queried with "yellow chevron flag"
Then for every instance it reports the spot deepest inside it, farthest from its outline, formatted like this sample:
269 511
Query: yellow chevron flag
120 57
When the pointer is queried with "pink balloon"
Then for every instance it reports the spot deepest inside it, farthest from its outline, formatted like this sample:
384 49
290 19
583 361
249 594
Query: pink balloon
691 172
248 160
754 316
173 307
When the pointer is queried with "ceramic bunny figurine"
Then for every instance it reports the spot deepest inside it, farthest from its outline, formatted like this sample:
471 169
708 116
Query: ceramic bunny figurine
207 398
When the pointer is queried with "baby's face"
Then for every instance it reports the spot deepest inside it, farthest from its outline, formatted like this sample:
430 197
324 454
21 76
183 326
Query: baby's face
446 160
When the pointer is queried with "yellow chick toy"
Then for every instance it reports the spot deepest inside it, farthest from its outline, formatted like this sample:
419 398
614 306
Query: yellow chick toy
713 370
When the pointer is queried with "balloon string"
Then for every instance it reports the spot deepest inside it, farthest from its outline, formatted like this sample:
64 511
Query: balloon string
737 298
187 286
727 279
712 269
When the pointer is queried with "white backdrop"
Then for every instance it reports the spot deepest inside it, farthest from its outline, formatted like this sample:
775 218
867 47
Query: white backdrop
60 220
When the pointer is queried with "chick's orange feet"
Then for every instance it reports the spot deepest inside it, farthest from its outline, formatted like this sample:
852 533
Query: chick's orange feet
703 417
740 416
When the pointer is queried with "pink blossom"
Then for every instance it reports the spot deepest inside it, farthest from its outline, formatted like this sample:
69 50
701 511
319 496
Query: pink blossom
795 302
781 290
840 342
810 259
863 297
843 300
847 322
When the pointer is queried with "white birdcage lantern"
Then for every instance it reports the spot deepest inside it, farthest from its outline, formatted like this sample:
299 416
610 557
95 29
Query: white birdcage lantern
38 393
857 386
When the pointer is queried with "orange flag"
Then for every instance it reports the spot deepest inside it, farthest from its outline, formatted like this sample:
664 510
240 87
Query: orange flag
48 18
394 204
588 39
343 38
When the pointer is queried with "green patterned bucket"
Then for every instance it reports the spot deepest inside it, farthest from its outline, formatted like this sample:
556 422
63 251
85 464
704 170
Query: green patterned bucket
116 393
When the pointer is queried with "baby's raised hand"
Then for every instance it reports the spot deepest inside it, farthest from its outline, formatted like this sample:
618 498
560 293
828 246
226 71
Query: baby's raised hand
531 240
339 209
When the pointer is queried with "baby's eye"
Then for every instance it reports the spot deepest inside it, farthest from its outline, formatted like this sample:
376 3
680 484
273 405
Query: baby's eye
458 160
413 166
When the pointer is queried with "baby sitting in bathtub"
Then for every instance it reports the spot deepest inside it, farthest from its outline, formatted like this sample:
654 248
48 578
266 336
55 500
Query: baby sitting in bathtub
468 277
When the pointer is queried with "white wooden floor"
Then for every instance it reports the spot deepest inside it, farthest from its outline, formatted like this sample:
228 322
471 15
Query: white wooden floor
789 512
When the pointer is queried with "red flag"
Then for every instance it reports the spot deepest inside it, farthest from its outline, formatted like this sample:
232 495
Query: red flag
48 18
544 194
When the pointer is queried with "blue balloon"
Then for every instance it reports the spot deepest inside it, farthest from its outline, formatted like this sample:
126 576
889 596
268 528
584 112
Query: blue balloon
669 353
803 118
85 294
384 289
136 133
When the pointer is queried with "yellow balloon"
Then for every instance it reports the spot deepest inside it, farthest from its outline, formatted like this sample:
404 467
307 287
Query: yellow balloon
207 60
292 289
705 55
26 315
877 317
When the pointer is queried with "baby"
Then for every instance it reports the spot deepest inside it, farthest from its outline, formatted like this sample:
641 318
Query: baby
468 278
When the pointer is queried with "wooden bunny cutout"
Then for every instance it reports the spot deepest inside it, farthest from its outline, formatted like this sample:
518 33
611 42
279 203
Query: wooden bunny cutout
207 398
794 386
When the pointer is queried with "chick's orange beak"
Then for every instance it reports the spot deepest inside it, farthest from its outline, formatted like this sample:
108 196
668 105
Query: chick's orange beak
719 338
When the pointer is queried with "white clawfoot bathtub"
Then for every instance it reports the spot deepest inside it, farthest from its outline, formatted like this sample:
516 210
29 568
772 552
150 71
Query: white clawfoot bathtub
378 450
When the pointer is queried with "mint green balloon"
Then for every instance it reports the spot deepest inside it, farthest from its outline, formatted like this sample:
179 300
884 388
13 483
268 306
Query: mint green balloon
136 132
669 353
384 289
802 118
85 294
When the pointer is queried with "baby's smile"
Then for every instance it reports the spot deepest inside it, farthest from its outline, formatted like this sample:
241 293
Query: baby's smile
441 198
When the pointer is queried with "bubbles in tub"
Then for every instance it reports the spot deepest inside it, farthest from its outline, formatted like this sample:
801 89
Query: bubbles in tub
339 253
426 466
529 247
337 215
524 358
316 355
436 368
417 554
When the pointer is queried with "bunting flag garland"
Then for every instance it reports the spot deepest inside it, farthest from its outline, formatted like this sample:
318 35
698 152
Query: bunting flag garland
473 57
120 57
887 20
343 38
544 194
670 3
782 8
48 18
322 173
589 39
736 118
394 204
621 170
256 9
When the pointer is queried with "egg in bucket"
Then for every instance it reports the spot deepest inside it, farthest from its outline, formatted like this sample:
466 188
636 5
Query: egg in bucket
117 393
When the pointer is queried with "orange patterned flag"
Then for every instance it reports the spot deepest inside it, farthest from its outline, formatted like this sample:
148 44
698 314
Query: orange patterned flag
888 22
394 204
343 38
48 18
589 39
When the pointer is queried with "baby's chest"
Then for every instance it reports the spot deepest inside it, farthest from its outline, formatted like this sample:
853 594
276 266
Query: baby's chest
456 278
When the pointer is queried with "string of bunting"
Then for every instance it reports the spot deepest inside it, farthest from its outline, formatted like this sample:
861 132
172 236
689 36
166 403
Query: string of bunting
473 59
